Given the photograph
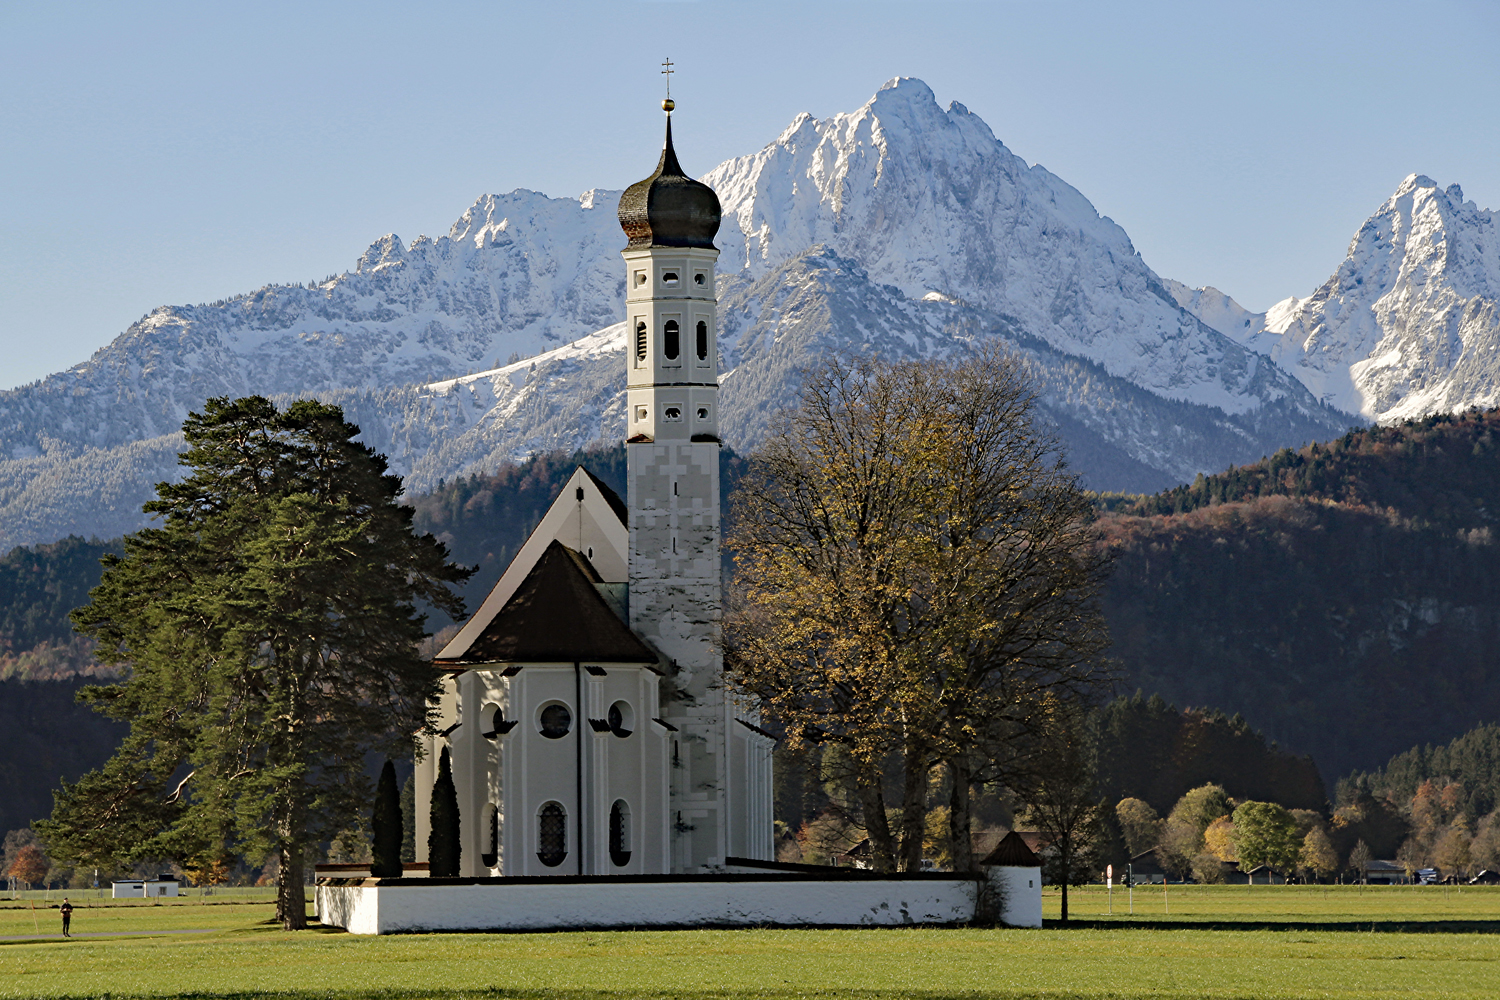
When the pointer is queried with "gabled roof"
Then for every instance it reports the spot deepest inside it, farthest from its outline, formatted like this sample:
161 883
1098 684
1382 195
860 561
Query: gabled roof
588 517
610 497
556 615
1012 852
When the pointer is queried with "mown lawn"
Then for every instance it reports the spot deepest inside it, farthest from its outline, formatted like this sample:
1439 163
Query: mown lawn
1201 949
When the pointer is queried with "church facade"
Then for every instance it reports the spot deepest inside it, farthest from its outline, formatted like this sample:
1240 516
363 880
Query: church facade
584 703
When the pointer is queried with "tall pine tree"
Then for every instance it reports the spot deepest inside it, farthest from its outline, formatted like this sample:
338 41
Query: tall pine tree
385 825
268 630
444 850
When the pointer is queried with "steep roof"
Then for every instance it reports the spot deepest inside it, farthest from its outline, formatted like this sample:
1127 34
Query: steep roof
610 497
1012 852
556 615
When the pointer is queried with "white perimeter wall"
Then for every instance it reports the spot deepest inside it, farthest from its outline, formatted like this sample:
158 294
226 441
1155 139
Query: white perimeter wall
726 902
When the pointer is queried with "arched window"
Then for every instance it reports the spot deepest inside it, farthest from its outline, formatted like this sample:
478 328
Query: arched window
552 834
702 341
671 340
491 856
619 834
640 340
554 721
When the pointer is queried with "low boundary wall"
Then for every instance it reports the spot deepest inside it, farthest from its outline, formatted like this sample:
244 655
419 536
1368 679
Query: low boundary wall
730 899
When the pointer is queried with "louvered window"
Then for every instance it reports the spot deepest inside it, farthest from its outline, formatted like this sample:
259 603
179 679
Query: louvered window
640 340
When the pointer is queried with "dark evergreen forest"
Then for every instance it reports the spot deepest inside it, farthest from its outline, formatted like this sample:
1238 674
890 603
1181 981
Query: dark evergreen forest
1343 599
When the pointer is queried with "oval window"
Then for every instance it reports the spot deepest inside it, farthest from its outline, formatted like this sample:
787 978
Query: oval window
621 719
671 340
552 834
555 721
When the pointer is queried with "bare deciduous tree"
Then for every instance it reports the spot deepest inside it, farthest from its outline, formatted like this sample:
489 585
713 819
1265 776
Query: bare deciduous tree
916 574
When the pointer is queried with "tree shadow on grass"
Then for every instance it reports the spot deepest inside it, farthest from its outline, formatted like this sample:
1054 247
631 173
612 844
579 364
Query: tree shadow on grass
1363 926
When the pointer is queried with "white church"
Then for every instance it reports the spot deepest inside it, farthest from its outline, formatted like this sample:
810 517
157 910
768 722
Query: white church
584 705
592 738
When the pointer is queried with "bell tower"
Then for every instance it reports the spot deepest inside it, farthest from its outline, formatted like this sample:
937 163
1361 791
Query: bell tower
719 796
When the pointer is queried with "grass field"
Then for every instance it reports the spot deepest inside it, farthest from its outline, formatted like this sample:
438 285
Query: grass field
1240 941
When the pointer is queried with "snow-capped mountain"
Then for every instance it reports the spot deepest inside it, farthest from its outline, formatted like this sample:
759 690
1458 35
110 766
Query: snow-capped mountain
900 228
1408 325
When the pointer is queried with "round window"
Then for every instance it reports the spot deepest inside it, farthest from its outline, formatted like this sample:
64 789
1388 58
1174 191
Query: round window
555 721
621 719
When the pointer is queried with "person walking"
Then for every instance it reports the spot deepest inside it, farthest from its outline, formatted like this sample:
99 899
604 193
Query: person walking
66 909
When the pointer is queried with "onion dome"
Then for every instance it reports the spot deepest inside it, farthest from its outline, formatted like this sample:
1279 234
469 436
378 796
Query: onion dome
669 208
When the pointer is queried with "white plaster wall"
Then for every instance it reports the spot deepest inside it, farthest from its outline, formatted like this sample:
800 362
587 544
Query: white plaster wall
719 902
1020 892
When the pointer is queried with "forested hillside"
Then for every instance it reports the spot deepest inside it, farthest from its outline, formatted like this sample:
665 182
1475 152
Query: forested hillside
1344 598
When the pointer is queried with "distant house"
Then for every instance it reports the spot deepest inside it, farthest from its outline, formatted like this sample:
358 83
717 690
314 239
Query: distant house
146 888
1486 877
1386 873
1264 875
1146 868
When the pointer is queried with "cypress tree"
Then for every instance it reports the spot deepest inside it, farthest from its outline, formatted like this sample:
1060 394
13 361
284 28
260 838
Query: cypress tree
443 848
387 826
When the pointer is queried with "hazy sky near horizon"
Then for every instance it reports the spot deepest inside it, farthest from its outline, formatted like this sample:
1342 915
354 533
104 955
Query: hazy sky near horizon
167 153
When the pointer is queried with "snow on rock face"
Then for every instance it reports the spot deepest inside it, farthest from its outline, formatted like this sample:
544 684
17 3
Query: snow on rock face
930 201
899 228
1408 323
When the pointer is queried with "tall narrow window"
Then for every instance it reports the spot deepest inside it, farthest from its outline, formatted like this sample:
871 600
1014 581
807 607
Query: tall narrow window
640 340
491 857
552 835
619 834
702 341
671 340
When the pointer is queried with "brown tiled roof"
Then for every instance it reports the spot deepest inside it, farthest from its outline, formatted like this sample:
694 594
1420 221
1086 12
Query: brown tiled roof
556 616
1013 852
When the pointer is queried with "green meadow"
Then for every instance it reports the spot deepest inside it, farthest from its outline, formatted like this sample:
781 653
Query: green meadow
1198 941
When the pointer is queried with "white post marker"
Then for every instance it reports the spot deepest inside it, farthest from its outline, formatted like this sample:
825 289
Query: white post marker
1130 887
1109 886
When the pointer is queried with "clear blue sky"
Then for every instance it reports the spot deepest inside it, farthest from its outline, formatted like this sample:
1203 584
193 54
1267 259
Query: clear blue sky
155 153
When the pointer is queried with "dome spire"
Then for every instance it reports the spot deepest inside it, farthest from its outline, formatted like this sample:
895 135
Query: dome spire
669 208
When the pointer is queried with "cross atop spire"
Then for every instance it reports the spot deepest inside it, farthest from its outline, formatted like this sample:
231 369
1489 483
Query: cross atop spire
667 71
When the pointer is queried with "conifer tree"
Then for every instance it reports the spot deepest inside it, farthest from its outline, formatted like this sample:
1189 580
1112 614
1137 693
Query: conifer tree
386 826
268 630
444 849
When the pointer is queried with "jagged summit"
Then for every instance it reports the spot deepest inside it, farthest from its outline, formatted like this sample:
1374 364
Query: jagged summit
1409 323
900 226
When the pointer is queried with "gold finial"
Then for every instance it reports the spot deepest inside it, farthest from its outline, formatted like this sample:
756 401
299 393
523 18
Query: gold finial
668 104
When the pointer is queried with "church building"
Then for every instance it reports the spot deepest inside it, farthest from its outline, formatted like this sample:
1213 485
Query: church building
584 703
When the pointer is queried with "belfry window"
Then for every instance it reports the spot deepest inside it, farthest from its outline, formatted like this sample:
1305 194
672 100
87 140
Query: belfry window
669 278
673 413
702 341
552 834
619 834
640 340
671 340
700 278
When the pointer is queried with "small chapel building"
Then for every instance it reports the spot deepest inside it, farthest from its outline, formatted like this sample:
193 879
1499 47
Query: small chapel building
584 703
